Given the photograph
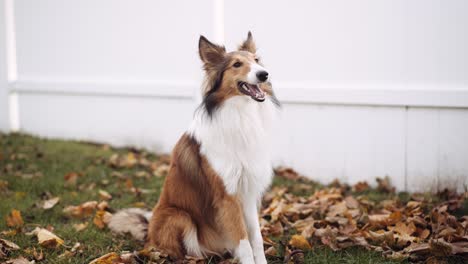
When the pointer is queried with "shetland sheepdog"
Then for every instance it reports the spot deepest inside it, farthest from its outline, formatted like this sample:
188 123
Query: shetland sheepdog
220 167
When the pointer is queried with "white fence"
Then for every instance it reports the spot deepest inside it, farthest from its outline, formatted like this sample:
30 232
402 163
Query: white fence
369 88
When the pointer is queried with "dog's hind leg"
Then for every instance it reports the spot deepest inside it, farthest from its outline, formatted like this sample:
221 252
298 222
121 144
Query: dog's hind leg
231 221
172 231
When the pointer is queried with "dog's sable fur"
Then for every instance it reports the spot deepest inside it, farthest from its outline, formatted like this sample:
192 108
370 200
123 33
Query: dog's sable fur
219 168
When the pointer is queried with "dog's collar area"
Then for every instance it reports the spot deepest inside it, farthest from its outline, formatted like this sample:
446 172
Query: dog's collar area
252 90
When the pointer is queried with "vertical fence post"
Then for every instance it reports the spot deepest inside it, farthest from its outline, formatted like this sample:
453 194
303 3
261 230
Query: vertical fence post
4 113
9 115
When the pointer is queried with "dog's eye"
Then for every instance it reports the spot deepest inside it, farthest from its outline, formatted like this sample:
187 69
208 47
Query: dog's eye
237 64
256 60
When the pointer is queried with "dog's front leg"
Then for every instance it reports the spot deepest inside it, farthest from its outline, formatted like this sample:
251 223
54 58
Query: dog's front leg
253 228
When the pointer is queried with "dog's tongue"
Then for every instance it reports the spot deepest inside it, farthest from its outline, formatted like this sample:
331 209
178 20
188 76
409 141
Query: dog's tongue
255 92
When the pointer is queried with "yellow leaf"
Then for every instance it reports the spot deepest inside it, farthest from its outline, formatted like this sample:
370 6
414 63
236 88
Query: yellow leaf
299 242
80 227
14 219
108 258
82 210
102 218
104 195
46 238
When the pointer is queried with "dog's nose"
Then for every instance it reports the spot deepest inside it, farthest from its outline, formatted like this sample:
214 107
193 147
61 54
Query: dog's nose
262 76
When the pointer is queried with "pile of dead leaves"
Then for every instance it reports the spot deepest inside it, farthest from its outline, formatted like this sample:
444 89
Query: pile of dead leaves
417 229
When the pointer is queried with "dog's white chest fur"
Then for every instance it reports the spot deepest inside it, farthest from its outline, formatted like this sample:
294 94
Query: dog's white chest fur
236 142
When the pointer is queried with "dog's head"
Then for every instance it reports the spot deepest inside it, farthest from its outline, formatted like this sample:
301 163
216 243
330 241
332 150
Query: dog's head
236 73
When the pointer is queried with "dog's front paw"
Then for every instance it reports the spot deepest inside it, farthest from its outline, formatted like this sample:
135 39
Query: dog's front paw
260 259
259 256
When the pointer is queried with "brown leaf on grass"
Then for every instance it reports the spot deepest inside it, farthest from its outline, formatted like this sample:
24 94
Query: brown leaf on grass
77 248
361 186
161 170
80 227
14 219
101 218
440 247
337 209
152 254
71 179
275 229
287 173
9 232
3 186
6 247
271 251
123 161
384 185
298 241
382 236
102 205
404 229
81 211
424 234
109 258
129 184
142 174
378 219
351 202
103 195
8 244
46 238
18 260
38 255
50 203
385 219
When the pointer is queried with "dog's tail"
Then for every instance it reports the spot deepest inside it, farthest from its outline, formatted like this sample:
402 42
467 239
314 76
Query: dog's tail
133 221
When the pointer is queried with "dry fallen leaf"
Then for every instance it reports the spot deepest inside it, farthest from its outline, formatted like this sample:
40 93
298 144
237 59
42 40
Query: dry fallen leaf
104 195
287 173
102 218
81 211
298 241
38 256
71 178
161 170
80 227
271 251
50 203
361 187
6 247
19 260
109 258
14 219
46 238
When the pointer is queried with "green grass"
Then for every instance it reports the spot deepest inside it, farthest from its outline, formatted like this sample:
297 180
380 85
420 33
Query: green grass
22 154
54 159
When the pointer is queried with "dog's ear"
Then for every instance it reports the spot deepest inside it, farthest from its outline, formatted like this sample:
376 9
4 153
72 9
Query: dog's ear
211 54
249 44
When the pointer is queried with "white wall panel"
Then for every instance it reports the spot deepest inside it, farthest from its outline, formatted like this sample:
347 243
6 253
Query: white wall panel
437 148
347 142
153 123
110 39
362 41
453 152
423 144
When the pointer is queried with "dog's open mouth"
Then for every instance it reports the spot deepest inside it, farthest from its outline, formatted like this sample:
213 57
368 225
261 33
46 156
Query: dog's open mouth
253 90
